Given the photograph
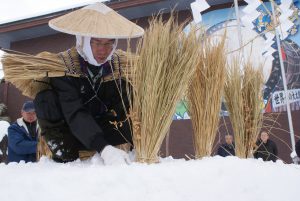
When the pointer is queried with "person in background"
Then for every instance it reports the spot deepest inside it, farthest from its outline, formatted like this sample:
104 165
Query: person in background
22 136
295 155
227 149
298 148
266 148
4 124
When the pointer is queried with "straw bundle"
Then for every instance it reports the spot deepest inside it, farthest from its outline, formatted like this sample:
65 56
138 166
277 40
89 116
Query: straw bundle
160 75
43 149
204 95
243 95
30 73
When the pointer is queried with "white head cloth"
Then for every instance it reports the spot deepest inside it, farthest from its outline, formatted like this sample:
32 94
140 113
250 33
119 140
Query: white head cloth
83 47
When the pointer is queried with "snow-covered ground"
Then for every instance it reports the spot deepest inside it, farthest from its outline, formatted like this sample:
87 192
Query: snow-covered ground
209 179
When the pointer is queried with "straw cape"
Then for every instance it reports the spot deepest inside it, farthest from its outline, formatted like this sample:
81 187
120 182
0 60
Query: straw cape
30 73
97 20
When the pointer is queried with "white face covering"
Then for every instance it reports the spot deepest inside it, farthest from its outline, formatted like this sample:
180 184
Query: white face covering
83 47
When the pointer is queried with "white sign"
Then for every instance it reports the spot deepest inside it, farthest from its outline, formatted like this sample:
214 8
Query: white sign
278 97
197 7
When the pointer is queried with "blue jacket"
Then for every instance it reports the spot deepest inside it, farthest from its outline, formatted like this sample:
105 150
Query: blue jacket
21 146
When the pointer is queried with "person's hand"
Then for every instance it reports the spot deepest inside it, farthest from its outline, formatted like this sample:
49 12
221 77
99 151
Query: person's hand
114 156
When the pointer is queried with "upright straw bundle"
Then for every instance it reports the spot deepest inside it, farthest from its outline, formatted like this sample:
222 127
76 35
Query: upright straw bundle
243 95
204 95
160 75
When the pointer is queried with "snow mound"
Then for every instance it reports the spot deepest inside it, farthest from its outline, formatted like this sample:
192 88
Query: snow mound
209 179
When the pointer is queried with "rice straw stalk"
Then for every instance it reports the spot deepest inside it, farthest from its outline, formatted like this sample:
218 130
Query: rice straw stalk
205 94
243 95
160 73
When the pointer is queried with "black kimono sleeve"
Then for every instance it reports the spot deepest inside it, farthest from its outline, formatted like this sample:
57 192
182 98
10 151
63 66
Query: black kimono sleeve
81 123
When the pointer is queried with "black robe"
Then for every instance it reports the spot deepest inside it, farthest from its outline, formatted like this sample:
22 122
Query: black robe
78 112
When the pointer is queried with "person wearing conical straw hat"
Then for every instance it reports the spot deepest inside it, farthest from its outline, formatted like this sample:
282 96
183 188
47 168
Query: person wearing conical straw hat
77 113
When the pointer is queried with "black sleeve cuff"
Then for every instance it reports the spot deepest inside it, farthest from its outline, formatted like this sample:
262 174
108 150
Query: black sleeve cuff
98 143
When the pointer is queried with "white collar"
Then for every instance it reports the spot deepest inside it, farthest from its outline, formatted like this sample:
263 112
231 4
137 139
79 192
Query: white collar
21 122
83 47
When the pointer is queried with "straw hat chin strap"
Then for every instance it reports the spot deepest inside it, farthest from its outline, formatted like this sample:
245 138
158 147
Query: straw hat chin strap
83 47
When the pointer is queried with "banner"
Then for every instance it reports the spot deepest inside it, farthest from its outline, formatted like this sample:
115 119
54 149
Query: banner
258 34
279 98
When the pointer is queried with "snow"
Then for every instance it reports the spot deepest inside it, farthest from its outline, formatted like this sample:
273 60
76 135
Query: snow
209 179
3 129
15 10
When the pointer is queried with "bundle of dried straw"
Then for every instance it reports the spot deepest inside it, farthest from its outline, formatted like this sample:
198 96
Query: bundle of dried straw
243 96
205 93
30 73
42 149
160 76
24 70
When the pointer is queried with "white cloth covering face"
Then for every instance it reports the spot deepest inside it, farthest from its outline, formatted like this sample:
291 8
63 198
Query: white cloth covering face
83 47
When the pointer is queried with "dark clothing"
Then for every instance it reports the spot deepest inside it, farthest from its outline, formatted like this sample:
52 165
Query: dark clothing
298 148
226 150
81 110
267 151
21 145
31 128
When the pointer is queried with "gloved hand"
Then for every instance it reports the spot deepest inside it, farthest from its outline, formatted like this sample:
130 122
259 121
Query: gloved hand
114 156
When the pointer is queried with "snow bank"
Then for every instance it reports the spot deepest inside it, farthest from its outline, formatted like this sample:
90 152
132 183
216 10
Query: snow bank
209 179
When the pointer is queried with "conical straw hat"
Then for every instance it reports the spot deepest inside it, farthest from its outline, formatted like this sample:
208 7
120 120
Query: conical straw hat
96 20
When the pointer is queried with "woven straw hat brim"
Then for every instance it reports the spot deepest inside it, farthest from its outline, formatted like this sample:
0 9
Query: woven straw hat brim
89 21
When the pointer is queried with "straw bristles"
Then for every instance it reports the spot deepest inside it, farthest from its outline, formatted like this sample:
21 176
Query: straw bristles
243 95
24 70
85 155
30 73
204 95
98 21
43 149
160 76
